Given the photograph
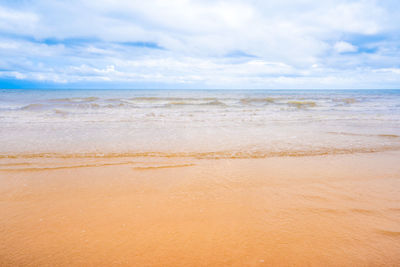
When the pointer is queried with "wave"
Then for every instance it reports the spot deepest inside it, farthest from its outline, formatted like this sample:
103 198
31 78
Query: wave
75 99
164 166
348 100
234 154
33 107
265 100
60 112
171 102
366 135
184 99
214 103
302 104
58 167
15 164
185 103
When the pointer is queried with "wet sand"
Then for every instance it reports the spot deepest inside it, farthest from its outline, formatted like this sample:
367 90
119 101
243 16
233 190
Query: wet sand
335 210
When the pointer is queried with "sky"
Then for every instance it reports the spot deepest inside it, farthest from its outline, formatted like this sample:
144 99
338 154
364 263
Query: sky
237 44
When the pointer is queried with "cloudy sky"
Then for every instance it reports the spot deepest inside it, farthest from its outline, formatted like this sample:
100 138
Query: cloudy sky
200 44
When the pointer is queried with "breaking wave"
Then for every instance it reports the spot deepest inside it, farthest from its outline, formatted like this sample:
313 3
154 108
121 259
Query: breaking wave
302 104
264 100
93 102
33 107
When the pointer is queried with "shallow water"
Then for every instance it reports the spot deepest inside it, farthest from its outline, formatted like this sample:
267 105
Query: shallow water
199 123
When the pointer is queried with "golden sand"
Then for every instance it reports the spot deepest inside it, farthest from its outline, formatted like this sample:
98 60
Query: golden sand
336 210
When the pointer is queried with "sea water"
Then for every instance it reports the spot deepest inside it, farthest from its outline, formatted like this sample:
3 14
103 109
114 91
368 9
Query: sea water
198 123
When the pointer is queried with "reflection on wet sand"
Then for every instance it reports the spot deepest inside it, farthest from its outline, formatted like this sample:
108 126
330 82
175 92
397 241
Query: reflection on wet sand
335 210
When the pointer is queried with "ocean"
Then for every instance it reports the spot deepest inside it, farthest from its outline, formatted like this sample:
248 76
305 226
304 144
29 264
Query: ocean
198 123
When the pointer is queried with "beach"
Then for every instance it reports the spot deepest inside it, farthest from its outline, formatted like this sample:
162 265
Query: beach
199 178
293 211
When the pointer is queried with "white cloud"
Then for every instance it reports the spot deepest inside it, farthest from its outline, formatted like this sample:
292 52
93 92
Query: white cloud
18 22
188 41
388 70
343 47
